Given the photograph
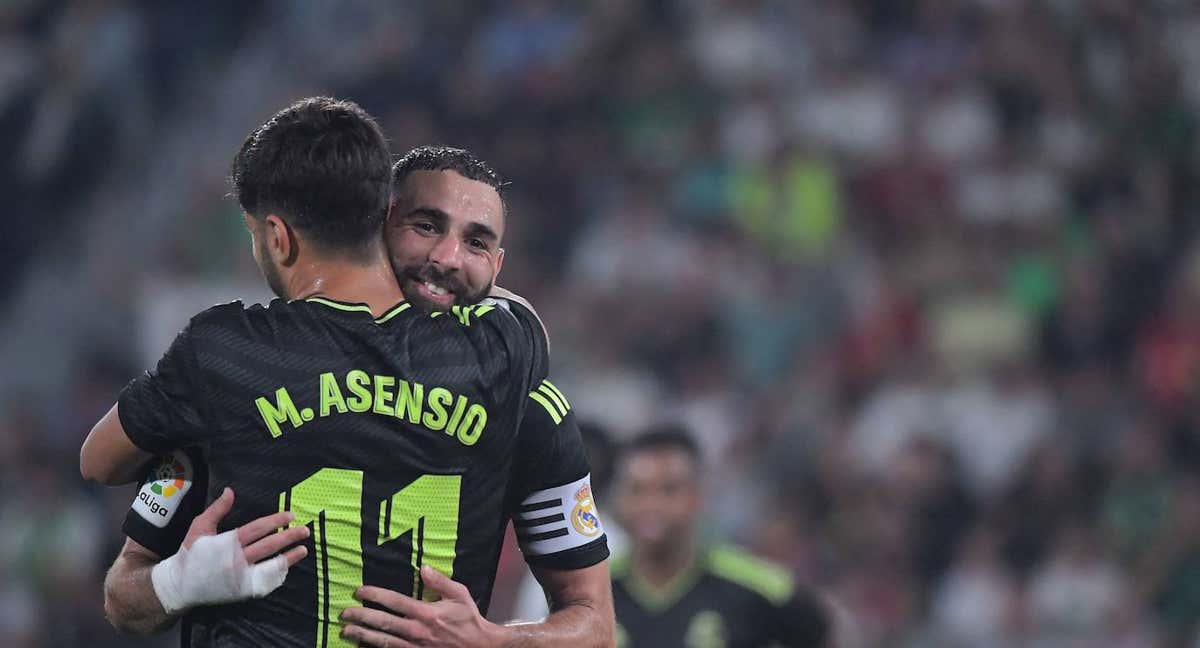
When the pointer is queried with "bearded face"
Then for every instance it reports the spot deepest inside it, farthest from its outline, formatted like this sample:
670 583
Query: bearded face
444 239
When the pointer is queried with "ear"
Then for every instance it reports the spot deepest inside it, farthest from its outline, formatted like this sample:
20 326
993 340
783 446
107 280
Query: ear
282 243
391 209
499 263
392 221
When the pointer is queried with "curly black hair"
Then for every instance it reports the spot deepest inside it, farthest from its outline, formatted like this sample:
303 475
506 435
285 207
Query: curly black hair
446 158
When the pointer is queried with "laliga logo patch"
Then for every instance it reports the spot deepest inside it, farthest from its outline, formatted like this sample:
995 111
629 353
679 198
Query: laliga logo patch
168 477
583 516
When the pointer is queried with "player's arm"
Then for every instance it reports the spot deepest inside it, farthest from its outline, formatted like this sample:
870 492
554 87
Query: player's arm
160 411
581 609
170 497
143 594
581 616
130 603
108 456
559 530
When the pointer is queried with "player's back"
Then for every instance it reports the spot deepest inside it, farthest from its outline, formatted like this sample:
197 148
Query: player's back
392 437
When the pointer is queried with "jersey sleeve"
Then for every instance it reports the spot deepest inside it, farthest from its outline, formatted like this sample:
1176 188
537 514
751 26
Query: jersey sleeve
552 508
162 410
170 496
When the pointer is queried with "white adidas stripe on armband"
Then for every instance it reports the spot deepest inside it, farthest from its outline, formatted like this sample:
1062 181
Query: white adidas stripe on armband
558 519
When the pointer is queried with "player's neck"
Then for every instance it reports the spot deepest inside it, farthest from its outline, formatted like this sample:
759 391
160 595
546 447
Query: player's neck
659 568
373 284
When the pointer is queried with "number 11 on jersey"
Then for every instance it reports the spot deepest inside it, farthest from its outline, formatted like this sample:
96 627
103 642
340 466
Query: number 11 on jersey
429 508
331 500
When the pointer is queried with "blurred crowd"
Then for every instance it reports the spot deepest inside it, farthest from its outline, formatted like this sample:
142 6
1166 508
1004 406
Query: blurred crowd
923 276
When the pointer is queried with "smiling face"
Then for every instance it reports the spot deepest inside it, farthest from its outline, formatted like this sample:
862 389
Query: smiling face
444 239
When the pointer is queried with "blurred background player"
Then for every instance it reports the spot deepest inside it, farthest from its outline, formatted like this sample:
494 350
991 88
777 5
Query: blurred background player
672 588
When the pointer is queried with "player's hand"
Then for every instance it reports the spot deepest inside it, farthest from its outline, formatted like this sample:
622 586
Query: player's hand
454 621
255 536
240 564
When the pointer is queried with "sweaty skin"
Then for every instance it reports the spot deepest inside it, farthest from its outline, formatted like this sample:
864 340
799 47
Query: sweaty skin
444 238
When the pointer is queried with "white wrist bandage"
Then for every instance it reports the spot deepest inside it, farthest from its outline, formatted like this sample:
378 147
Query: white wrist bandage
214 570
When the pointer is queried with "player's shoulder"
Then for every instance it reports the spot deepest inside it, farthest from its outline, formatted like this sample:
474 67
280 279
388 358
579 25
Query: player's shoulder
216 319
521 310
512 309
236 311
221 312
743 569
238 315
515 319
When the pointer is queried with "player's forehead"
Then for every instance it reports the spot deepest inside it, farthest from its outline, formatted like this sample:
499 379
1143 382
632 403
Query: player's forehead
462 200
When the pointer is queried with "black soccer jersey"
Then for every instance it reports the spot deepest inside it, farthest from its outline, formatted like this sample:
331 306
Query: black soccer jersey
550 457
726 599
395 438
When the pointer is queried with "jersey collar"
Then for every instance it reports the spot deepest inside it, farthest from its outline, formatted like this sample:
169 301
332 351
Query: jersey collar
361 307
657 599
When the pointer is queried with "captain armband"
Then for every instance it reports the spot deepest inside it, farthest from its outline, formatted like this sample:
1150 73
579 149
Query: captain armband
558 519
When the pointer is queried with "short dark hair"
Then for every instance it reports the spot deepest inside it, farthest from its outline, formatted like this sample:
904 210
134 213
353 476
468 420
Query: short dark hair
446 158
322 164
664 436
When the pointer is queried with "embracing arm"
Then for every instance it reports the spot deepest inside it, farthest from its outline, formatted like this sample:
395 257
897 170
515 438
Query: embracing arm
129 599
143 593
160 411
108 456
582 615
581 610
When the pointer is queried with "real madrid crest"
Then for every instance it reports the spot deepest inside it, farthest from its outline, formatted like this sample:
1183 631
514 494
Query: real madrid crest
583 516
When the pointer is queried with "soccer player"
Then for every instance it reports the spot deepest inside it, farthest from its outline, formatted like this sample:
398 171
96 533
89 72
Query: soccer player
388 430
672 591
433 233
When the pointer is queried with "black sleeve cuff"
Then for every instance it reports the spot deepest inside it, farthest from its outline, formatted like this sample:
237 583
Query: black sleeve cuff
164 542
592 553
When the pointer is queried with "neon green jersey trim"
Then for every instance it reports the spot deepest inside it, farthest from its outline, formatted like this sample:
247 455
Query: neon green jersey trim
549 393
773 582
363 308
392 313
658 599
557 392
554 415
339 305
